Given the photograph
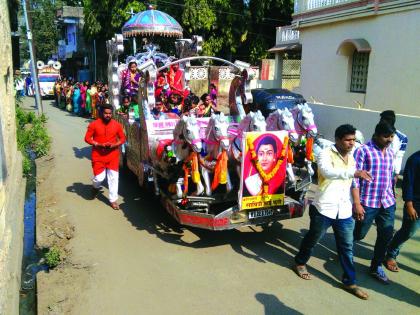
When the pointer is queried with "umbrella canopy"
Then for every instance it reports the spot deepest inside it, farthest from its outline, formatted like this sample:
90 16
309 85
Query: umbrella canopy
150 23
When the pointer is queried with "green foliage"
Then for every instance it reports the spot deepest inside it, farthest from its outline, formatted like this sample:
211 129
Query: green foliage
104 18
53 257
32 136
44 29
232 29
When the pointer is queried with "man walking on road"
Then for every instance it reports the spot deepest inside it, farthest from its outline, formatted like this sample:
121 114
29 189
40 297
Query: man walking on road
399 142
332 206
411 222
374 200
105 135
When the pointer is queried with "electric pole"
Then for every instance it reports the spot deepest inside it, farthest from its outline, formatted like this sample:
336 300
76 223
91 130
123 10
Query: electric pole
34 72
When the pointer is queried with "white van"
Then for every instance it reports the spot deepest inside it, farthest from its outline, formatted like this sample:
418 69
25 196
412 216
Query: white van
46 83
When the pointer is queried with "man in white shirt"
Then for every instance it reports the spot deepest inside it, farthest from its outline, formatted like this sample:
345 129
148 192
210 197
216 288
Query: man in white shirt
332 206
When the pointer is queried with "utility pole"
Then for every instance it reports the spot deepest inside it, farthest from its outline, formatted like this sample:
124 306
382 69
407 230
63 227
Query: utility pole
34 72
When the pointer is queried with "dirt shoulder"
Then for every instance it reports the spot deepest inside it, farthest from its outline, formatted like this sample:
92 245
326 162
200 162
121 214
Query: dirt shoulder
59 288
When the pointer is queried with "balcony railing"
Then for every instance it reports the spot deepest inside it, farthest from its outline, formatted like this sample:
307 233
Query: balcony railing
285 34
302 6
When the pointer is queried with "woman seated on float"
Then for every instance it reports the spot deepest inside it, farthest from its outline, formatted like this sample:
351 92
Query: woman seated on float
190 105
206 108
131 78
161 84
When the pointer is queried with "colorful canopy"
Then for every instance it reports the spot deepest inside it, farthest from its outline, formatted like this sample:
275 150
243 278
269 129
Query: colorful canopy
151 23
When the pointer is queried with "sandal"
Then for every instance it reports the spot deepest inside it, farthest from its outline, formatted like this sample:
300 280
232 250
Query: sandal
356 291
391 265
302 272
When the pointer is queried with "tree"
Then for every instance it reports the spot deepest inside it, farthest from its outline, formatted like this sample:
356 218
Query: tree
44 29
266 15
232 29
106 17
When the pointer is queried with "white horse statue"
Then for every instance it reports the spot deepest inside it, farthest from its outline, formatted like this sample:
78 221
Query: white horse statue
304 120
217 145
185 148
305 126
282 119
254 121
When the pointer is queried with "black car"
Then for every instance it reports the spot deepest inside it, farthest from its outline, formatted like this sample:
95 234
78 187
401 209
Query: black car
268 100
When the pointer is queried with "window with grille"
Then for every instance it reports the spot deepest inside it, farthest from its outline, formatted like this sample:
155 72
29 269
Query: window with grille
359 72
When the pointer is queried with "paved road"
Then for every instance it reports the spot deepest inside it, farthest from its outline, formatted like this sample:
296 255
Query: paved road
145 263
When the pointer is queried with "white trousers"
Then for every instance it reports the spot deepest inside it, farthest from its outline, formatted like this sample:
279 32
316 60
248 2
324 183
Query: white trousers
112 178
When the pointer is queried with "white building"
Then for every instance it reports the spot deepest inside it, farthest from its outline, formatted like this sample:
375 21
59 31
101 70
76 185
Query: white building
357 54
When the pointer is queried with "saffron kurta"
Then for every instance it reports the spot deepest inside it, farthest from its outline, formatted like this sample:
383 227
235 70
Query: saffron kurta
104 158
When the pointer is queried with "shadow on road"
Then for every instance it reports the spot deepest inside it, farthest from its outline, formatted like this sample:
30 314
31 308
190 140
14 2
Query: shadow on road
275 244
81 189
83 153
272 305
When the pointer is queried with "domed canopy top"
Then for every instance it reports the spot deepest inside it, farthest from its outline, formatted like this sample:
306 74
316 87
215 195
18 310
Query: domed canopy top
150 23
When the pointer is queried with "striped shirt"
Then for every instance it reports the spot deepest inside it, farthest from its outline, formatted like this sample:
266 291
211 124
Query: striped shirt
377 193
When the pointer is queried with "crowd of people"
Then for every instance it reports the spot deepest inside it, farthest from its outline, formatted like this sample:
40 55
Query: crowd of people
81 98
356 190
172 98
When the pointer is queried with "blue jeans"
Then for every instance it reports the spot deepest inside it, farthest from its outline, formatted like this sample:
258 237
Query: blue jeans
343 232
407 230
384 218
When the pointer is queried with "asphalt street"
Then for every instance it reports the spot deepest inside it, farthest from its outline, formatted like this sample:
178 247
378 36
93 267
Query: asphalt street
146 263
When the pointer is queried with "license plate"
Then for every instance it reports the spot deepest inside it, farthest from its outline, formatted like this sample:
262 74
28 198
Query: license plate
260 213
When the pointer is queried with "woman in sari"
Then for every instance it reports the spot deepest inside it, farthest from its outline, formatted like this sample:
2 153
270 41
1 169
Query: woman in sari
88 102
69 94
76 99
83 89
131 78
206 108
94 100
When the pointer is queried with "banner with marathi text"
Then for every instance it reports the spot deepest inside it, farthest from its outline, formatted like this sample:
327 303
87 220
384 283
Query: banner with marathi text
263 171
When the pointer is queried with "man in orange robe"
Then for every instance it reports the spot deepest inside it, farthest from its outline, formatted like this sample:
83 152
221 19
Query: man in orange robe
105 135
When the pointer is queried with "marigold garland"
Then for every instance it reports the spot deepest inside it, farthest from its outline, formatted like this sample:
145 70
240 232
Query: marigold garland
267 177
191 164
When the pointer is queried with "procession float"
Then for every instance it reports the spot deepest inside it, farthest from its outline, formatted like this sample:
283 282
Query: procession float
238 166
48 74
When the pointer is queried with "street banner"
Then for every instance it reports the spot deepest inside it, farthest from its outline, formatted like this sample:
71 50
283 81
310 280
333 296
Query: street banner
263 169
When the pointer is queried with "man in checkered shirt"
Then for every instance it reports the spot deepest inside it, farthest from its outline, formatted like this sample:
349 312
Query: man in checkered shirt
374 200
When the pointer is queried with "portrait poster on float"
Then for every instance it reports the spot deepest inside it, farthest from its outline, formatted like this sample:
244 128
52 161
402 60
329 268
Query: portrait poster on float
263 170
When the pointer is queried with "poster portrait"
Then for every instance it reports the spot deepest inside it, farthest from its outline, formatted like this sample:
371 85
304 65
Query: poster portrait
263 169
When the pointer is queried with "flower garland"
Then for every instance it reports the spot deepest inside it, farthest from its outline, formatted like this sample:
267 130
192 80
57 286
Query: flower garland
267 177
191 165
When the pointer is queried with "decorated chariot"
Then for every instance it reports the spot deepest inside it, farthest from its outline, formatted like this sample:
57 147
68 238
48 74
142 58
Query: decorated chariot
228 170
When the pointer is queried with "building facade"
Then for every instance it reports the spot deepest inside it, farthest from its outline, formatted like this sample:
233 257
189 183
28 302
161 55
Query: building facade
357 54
73 52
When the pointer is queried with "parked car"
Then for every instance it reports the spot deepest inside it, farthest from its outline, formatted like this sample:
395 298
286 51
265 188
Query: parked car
268 100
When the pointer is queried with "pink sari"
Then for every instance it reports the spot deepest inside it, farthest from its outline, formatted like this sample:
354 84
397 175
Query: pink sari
83 90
